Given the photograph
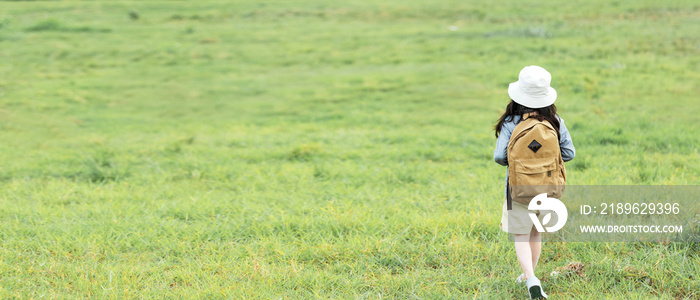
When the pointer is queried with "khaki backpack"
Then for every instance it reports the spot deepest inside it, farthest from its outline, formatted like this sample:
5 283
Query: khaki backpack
535 165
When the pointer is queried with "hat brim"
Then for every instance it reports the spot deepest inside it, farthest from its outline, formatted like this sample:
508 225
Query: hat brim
531 101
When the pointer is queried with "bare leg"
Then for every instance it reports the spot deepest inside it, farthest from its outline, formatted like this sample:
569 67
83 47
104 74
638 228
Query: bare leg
524 254
535 246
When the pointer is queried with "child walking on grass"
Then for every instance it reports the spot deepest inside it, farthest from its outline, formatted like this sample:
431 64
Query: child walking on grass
531 97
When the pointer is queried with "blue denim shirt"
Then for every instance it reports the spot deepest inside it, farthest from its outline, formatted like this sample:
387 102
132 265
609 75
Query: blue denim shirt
499 154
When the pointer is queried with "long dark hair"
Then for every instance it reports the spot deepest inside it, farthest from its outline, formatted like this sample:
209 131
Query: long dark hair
548 113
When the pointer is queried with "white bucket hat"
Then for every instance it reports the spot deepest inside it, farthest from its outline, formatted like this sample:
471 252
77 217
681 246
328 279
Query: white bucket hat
532 88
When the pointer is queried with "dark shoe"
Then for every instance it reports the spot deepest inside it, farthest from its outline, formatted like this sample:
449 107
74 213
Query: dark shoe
534 288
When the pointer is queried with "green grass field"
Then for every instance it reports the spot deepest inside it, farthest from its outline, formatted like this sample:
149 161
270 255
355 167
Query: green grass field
316 149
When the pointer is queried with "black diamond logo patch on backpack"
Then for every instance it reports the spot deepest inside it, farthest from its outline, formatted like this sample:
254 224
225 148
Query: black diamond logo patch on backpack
534 146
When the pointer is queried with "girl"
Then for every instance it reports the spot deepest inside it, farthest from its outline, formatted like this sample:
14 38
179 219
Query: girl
531 96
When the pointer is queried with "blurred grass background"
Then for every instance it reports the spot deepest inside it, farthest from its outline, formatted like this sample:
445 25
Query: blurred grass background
324 150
